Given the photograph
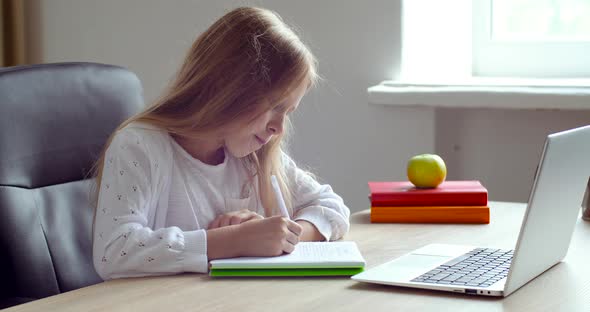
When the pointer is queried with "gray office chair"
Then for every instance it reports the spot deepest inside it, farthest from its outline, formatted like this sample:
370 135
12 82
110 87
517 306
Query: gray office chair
54 121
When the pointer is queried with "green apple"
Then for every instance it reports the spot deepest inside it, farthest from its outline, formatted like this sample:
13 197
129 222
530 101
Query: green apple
426 170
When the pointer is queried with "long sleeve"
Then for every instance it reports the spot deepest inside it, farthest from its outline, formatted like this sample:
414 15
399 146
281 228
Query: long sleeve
317 203
124 244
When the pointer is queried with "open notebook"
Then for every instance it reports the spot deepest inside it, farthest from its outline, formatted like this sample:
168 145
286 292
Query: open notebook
308 259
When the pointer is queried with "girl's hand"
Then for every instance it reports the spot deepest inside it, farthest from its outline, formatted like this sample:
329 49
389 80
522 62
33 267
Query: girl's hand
234 218
268 237
309 232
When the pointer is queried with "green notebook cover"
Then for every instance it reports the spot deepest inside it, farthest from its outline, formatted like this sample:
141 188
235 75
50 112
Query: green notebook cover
308 259
286 272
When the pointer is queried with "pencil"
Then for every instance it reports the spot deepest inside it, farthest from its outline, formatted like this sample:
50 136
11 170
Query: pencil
279 196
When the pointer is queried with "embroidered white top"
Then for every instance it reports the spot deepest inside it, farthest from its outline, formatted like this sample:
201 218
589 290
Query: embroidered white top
156 201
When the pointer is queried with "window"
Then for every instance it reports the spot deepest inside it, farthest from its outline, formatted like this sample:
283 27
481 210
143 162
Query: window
531 38
525 54
462 39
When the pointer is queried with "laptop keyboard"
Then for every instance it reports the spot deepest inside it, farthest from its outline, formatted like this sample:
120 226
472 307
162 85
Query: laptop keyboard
480 267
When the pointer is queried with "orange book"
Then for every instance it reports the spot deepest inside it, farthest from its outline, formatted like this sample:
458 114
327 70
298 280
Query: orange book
433 214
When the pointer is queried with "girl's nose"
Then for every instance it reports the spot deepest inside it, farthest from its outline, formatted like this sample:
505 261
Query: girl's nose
275 126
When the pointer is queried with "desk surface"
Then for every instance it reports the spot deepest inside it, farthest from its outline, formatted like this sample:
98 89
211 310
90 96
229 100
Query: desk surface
565 287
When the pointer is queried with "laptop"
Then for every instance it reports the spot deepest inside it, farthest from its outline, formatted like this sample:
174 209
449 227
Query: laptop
554 203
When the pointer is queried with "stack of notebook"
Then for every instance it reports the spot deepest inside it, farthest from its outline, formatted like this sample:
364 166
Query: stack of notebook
450 202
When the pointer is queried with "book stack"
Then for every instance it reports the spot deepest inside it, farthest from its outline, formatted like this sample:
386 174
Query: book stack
450 202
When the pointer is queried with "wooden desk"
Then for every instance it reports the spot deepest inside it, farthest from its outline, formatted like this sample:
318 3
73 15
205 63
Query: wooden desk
565 287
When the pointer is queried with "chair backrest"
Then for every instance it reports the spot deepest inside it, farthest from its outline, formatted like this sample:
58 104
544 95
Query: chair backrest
54 121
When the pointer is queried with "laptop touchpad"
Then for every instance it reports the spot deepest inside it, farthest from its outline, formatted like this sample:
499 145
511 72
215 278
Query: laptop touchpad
410 266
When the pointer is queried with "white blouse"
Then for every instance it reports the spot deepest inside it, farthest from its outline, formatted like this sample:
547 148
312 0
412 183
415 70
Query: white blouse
156 201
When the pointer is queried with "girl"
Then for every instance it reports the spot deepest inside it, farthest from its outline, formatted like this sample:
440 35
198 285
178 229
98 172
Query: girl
188 180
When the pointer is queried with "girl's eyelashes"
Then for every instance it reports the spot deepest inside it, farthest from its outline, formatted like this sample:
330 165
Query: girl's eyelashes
280 108
284 108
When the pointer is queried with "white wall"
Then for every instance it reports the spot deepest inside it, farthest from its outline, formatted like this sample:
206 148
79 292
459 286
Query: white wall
338 135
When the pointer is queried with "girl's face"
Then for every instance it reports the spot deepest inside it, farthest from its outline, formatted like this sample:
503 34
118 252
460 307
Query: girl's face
249 137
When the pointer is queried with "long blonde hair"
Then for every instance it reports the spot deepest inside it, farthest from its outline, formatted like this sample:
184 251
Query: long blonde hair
244 61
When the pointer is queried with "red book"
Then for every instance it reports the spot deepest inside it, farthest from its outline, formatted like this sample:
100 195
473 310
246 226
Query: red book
448 193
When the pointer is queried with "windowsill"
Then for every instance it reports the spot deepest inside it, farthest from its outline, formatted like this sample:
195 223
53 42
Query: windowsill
559 94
